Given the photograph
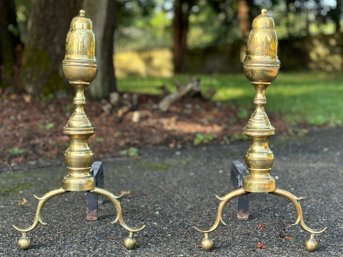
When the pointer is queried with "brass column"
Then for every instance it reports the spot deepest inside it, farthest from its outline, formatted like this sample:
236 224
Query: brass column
79 66
261 67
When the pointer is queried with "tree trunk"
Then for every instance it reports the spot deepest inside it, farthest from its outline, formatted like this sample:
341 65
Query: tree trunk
10 43
288 22
244 18
103 16
48 24
337 14
182 10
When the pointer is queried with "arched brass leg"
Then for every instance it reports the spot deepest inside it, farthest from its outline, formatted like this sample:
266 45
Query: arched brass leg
129 242
311 244
24 241
207 243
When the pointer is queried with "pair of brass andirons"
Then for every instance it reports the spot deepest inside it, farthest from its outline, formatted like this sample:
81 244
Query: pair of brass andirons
261 67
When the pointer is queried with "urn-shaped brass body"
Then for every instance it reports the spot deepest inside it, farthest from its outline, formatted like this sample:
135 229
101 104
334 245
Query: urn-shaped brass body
261 67
79 67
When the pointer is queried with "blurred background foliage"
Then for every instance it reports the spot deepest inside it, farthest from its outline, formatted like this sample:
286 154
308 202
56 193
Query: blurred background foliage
216 21
161 38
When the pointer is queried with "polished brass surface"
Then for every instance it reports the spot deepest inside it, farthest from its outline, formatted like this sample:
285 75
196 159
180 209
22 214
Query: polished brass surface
130 242
41 202
207 243
79 66
300 217
261 67
24 242
119 218
219 218
311 244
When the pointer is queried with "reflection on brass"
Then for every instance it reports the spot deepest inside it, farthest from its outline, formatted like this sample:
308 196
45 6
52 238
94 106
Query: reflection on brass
261 67
79 66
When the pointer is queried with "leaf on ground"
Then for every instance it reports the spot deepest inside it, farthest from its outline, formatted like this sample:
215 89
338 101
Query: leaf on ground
132 152
261 226
17 151
27 98
23 201
23 142
260 245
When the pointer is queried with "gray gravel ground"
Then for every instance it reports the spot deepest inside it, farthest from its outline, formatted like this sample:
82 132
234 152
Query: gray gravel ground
173 190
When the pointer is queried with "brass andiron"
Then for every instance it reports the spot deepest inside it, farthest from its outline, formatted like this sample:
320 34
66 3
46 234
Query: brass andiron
79 66
261 67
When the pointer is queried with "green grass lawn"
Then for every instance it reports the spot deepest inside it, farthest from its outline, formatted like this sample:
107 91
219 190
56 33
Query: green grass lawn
312 98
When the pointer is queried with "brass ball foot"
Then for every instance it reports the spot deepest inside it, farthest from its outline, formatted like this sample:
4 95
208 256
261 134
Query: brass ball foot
24 243
207 244
129 243
311 244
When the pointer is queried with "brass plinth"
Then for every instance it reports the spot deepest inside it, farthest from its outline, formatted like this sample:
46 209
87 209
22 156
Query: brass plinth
79 66
261 67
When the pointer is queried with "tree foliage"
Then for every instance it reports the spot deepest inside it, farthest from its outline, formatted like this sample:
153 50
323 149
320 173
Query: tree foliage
41 26
47 26
10 43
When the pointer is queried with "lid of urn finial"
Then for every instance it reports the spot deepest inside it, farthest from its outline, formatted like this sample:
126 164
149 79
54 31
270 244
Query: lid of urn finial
263 21
80 43
81 22
261 62
262 42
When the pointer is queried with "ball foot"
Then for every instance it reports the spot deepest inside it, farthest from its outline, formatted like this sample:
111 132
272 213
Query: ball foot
206 243
311 244
129 243
24 243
